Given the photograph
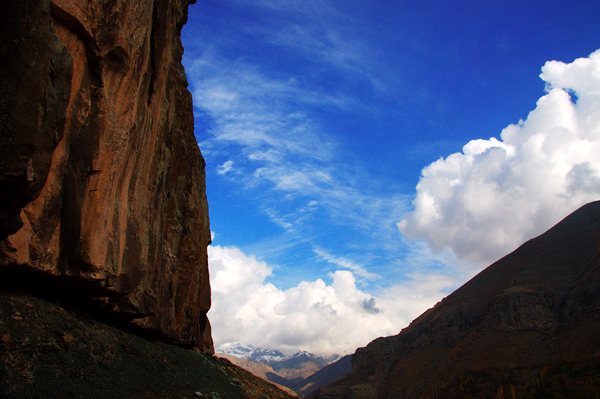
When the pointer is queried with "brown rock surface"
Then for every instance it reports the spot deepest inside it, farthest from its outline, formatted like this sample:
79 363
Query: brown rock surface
101 179
527 326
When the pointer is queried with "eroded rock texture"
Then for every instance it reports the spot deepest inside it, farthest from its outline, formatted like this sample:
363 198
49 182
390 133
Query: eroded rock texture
101 179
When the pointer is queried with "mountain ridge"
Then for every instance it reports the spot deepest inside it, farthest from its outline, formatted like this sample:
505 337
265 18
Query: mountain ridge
301 372
533 313
273 357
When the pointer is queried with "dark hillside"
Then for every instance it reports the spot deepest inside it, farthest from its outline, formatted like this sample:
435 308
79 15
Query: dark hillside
528 325
49 351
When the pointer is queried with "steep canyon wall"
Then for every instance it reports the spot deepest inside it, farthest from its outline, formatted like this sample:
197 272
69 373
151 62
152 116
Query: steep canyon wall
101 179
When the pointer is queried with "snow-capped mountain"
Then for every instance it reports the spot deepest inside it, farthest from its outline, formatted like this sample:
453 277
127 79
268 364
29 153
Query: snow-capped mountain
251 352
299 358
298 371
273 357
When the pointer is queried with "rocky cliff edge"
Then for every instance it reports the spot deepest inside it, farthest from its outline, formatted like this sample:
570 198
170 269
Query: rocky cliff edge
101 179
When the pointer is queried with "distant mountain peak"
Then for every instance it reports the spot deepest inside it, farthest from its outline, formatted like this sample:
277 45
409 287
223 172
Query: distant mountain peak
301 371
250 352
270 356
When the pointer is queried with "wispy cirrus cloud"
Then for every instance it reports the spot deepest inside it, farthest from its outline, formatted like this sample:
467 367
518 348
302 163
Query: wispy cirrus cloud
225 167
358 270
320 33
264 131
257 126
334 49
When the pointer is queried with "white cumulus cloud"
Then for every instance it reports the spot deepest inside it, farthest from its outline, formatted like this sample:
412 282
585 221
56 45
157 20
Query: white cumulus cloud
323 318
485 201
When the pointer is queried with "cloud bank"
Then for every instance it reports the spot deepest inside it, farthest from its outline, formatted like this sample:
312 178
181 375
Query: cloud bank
323 318
485 201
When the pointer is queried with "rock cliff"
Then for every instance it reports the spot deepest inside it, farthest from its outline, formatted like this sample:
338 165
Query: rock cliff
101 179
527 326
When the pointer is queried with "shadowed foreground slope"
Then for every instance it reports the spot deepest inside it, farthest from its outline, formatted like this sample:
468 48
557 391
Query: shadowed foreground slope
47 351
527 326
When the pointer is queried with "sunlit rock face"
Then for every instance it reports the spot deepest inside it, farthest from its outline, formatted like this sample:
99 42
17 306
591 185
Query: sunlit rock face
526 326
101 179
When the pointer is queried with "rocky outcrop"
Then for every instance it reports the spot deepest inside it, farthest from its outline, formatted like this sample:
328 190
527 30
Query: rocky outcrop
527 326
101 179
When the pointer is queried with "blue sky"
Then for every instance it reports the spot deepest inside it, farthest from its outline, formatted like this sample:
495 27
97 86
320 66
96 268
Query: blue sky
318 119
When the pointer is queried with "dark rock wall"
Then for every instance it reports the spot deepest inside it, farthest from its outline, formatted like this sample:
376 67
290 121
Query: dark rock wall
101 179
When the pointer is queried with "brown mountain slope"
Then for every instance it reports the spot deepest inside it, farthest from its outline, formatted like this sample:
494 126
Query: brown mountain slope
325 376
258 369
527 326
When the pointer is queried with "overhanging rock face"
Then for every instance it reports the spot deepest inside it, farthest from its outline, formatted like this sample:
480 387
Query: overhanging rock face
101 179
